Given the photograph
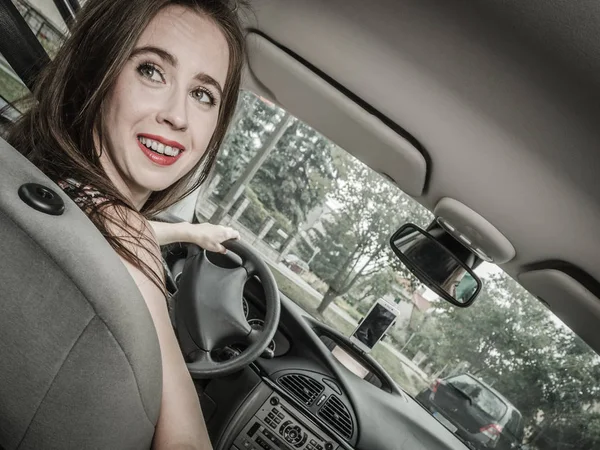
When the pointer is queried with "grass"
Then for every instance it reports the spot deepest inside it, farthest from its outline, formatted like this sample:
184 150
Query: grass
309 303
412 384
351 310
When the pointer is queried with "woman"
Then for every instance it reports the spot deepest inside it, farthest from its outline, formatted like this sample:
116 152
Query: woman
128 119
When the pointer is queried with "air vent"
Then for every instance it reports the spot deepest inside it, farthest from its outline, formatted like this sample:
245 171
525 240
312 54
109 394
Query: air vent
335 413
302 387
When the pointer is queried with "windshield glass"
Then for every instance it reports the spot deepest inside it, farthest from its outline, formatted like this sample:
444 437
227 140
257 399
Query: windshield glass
322 220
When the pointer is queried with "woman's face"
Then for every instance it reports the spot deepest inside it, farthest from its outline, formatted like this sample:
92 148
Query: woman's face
162 111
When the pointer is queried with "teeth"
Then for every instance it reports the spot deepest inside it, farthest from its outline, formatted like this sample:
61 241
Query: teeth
158 147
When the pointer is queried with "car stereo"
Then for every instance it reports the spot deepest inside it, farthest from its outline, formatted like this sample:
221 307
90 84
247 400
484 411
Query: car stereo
277 426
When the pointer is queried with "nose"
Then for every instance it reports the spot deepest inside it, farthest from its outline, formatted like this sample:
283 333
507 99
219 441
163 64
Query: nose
174 112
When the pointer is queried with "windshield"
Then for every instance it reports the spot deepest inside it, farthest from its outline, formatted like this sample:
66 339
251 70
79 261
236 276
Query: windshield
322 219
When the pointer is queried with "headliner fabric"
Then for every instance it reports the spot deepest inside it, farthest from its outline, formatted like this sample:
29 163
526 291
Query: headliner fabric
81 363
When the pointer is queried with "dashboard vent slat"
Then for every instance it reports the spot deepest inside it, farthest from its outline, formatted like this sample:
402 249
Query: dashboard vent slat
335 413
302 387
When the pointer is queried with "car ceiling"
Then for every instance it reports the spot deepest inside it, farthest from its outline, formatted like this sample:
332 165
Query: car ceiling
503 95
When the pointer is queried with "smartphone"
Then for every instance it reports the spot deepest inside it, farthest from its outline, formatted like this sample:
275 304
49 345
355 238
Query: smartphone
374 325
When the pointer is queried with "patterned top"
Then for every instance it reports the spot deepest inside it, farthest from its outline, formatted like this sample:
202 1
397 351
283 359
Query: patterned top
81 194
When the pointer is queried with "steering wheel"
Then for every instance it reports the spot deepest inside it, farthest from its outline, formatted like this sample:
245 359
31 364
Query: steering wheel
210 315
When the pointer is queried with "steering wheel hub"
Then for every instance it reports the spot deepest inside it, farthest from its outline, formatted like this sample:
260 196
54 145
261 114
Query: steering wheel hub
210 315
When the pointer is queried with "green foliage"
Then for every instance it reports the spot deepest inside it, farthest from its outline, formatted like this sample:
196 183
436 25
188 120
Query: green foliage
512 342
255 215
336 243
302 167
302 250
382 283
255 120
354 238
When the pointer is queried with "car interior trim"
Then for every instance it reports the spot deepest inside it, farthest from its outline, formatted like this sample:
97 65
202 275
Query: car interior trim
344 90
315 421
476 228
389 153
558 289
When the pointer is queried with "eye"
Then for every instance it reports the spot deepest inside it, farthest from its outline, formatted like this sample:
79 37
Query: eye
151 71
203 95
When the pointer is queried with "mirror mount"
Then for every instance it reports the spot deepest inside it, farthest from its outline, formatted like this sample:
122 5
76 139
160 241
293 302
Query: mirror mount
439 261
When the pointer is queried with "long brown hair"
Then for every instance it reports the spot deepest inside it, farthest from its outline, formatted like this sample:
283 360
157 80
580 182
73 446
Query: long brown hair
58 132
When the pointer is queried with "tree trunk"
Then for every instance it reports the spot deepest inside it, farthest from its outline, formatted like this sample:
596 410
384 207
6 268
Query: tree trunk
240 184
329 297
342 282
287 245
341 274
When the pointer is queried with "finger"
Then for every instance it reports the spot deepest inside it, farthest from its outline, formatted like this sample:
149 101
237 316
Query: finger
221 249
230 233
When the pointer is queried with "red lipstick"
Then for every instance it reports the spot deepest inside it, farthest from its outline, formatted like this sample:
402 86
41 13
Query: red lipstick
158 158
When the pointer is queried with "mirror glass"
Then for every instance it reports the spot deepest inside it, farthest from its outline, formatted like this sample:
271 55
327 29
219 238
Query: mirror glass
435 265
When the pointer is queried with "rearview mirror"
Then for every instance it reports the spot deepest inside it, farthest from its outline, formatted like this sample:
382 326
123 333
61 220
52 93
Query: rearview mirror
440 269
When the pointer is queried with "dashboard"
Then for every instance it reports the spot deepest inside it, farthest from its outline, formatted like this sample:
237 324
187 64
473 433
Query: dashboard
255 317
350 362
313 391
278 425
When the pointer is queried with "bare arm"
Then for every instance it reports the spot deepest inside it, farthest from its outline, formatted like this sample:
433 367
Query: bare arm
180 424
168 233
206 235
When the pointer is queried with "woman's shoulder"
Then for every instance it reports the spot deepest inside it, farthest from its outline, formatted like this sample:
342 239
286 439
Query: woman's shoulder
132 226
127 225
136 235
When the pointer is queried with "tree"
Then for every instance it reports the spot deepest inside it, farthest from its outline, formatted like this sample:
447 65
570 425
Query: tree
354 243
297 176
254 122
511 341
250 170
289 178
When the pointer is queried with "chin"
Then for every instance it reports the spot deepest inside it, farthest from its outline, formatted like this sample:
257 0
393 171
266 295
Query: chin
157 186
155 183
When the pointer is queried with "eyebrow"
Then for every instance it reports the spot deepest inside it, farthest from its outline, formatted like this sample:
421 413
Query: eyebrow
201 77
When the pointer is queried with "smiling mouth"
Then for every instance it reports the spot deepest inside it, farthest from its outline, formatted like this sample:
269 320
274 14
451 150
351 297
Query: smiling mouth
159 147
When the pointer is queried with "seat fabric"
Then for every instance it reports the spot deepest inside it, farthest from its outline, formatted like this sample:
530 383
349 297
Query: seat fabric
80 362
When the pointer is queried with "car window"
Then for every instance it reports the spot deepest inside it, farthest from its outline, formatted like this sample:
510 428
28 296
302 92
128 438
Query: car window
322 220
47 25
515 425
481 396
45 22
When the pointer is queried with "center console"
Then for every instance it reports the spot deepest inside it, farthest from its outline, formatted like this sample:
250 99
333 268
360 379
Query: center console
277 425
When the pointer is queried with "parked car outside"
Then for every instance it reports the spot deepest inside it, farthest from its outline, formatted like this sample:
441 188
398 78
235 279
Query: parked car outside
295 264
474 411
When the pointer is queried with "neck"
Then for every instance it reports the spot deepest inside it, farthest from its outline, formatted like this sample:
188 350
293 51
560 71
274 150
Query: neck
136 195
